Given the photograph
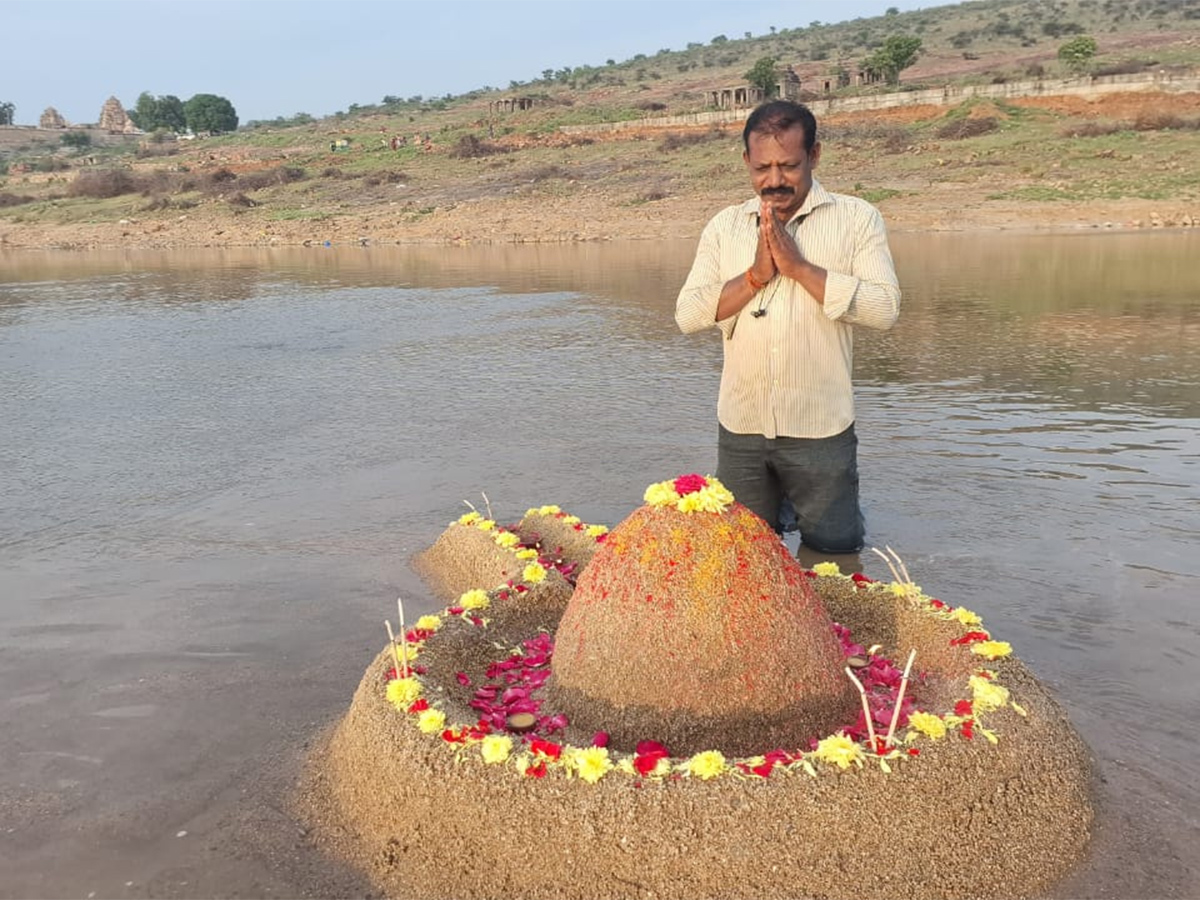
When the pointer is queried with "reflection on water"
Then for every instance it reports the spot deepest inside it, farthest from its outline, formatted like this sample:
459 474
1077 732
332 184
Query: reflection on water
1028 441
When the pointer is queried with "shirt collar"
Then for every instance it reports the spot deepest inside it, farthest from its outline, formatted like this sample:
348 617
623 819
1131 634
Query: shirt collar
817 196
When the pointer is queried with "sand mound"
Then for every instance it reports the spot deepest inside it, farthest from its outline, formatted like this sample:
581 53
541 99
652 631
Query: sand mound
699 631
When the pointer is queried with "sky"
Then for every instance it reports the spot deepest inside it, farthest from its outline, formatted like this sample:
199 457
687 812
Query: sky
274 58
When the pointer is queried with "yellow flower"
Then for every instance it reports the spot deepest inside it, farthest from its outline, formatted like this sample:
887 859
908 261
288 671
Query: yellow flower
534 573
992 649
528 553
592 763
987 695
927 724
905 590
827 568
506 539
474 599
485 524
403 691
428 623
839 750
542 511
596 530
967 617
495 748
571 520
469 518
706 764
717 496
431 721
661 493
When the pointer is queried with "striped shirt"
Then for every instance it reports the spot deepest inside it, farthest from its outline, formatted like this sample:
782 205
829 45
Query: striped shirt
787 373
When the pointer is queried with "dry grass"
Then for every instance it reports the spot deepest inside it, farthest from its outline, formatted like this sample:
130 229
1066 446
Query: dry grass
101 184
960 129
676 140
7 199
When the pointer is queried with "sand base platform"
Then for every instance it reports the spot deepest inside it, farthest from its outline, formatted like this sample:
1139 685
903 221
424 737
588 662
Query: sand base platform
997 806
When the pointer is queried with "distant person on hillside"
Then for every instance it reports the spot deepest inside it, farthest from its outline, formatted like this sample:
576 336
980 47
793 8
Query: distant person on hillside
784 277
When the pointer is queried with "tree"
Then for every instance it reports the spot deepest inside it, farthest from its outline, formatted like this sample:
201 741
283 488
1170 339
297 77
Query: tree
719 39
151 113
1077 53
80 140
764 75
899 51
7 111
208 112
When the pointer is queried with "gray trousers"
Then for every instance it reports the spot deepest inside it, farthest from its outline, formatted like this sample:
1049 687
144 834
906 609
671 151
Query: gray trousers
818 475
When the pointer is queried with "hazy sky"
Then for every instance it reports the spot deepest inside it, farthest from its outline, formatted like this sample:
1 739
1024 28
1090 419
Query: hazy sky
279 57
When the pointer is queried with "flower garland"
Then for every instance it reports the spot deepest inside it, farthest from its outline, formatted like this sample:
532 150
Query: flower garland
690 493
526 669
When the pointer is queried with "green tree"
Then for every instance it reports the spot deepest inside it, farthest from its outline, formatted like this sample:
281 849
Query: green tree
1077 53
80 140
152 113
7 111
899 51
208 112
765 75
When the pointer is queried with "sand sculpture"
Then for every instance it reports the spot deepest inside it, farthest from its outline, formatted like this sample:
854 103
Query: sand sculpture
677 709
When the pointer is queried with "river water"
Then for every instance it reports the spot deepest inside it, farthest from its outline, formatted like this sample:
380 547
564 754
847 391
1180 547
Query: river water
216 464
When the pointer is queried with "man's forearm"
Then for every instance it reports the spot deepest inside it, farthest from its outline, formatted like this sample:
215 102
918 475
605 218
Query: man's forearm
736 293
810 277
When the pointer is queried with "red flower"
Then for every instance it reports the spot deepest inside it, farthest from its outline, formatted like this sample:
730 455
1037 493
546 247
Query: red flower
645 764
600 739
646 755
970 637
963 708
763 771
452 737
547 749
419 705
968 729
937 604
463 678
651 747
860 578
537 770
914 751
689 484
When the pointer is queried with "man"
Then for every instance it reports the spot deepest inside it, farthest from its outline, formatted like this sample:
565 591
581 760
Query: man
784 278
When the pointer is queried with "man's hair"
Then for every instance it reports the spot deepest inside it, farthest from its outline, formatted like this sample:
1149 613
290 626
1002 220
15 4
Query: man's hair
778 116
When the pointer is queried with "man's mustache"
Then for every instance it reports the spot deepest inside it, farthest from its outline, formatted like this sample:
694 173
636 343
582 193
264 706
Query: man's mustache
781 191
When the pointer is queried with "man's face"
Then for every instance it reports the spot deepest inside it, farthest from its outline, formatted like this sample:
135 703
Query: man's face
780 168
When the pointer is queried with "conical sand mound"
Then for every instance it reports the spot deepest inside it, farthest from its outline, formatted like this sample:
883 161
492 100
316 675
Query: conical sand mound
698 630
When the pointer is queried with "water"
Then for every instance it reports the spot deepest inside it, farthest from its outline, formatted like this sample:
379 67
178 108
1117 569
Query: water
215 465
